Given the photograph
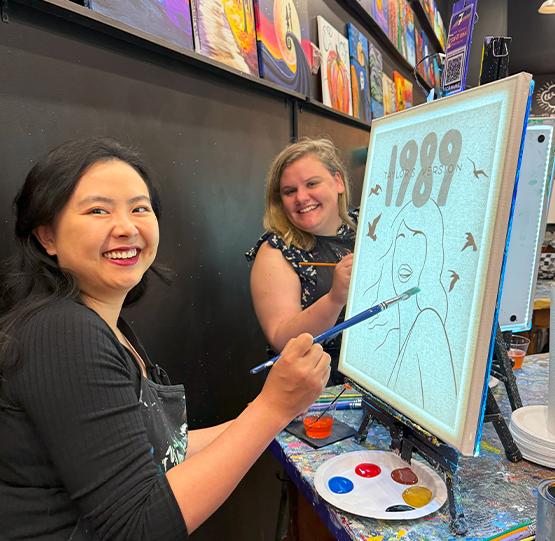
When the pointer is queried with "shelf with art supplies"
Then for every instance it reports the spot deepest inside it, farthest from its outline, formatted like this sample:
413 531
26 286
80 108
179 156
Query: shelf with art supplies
510 489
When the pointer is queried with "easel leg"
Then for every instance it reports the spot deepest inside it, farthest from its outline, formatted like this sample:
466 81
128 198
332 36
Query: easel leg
494 415
362 432
458 523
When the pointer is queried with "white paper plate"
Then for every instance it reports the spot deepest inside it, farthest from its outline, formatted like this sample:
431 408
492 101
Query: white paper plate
531 422
371 497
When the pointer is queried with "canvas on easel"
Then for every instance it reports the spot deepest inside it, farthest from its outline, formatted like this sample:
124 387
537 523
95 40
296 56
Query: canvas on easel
335 69
423 200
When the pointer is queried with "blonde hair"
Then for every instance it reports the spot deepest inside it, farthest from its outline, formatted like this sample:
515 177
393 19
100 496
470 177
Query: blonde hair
275 219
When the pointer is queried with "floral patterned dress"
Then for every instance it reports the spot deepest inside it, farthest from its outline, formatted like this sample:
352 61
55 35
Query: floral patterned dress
316 281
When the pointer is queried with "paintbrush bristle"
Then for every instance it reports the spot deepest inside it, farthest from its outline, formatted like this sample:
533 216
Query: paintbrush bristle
412 291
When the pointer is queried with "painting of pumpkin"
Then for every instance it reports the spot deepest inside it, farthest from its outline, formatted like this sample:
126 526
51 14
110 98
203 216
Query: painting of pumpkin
338 82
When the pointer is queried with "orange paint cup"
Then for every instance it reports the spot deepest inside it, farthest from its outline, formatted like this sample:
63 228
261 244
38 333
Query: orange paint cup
518 349
318 419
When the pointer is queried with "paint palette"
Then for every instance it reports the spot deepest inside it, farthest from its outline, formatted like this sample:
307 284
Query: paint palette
363 483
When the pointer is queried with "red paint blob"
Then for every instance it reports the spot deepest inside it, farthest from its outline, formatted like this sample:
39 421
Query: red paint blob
404 476
368 470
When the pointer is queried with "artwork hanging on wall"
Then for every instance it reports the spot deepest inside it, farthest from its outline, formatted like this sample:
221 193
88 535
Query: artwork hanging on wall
376 84
169 20
335 69
423 200
224 31
379 12
358 52
389 95
284 43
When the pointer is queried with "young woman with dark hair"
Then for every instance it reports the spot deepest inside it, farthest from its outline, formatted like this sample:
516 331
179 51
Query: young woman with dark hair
95 437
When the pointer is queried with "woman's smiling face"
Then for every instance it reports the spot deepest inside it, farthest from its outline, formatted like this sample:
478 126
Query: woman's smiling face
408 258
107 233
309 194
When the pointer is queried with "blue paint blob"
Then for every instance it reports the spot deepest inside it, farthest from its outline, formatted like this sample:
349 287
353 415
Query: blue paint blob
340 485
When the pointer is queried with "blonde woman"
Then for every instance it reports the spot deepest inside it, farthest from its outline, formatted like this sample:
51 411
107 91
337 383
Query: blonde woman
306 221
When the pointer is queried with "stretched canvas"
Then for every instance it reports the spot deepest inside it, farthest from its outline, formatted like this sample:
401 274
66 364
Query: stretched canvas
376 85
422 202
527 231
169 20
379 12
336 69
410 35
284 43
358 50
224 31
399 81
389 95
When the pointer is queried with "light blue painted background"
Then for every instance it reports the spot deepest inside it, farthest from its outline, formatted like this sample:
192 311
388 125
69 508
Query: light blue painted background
441 348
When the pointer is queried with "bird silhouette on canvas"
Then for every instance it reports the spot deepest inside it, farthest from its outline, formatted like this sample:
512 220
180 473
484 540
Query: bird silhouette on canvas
477 172
469 243
375 190
372 228
454 279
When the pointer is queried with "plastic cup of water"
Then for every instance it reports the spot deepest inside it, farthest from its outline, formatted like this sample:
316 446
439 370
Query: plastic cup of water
318 419
518 349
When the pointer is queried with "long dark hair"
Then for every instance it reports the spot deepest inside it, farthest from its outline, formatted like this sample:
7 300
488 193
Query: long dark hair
31 279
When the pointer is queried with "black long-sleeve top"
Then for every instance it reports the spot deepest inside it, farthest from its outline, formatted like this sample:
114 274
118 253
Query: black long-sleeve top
73 441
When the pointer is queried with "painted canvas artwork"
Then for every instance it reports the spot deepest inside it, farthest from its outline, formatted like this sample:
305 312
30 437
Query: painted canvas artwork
410 35
379 12
389 95
358 49
284 43
166 19
224 30
336 69
427 220
376 85
399 81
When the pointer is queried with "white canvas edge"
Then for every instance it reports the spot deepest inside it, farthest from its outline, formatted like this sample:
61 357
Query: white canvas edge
517 84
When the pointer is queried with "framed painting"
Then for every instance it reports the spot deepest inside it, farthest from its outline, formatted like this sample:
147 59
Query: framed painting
429 356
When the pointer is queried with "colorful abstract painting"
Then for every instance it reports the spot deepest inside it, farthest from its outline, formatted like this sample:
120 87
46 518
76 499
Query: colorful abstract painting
389 95
335 69
224 31
410 33
283 43
169 20
376 85
379 12
399 81
429 356
358 51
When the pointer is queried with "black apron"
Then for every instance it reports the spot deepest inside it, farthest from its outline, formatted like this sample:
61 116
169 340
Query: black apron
164 414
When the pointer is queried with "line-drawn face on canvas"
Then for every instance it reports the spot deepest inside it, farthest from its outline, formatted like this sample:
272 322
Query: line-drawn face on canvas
408 258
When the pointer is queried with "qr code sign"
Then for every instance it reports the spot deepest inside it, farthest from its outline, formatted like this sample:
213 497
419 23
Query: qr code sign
453 69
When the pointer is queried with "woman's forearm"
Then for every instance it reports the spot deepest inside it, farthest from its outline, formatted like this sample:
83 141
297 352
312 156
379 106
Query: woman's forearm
317 318
201 438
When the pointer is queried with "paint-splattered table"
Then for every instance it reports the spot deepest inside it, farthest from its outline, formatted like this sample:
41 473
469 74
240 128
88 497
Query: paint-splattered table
496 494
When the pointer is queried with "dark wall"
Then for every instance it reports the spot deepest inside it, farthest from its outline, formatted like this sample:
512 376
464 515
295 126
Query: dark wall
210 140
533 47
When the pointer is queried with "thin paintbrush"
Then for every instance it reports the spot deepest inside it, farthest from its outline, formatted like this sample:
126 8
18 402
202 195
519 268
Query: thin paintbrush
366 314
318 264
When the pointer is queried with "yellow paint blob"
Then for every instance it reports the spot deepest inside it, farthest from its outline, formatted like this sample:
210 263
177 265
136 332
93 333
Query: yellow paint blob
417 496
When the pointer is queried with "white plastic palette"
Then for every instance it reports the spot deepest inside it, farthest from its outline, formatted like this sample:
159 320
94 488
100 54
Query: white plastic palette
371 497
529 429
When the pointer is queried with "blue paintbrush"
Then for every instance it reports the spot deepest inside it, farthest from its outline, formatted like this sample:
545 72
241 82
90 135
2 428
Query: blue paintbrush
366 314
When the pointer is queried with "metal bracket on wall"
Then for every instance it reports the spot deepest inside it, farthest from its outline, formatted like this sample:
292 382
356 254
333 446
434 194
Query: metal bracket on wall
4 11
